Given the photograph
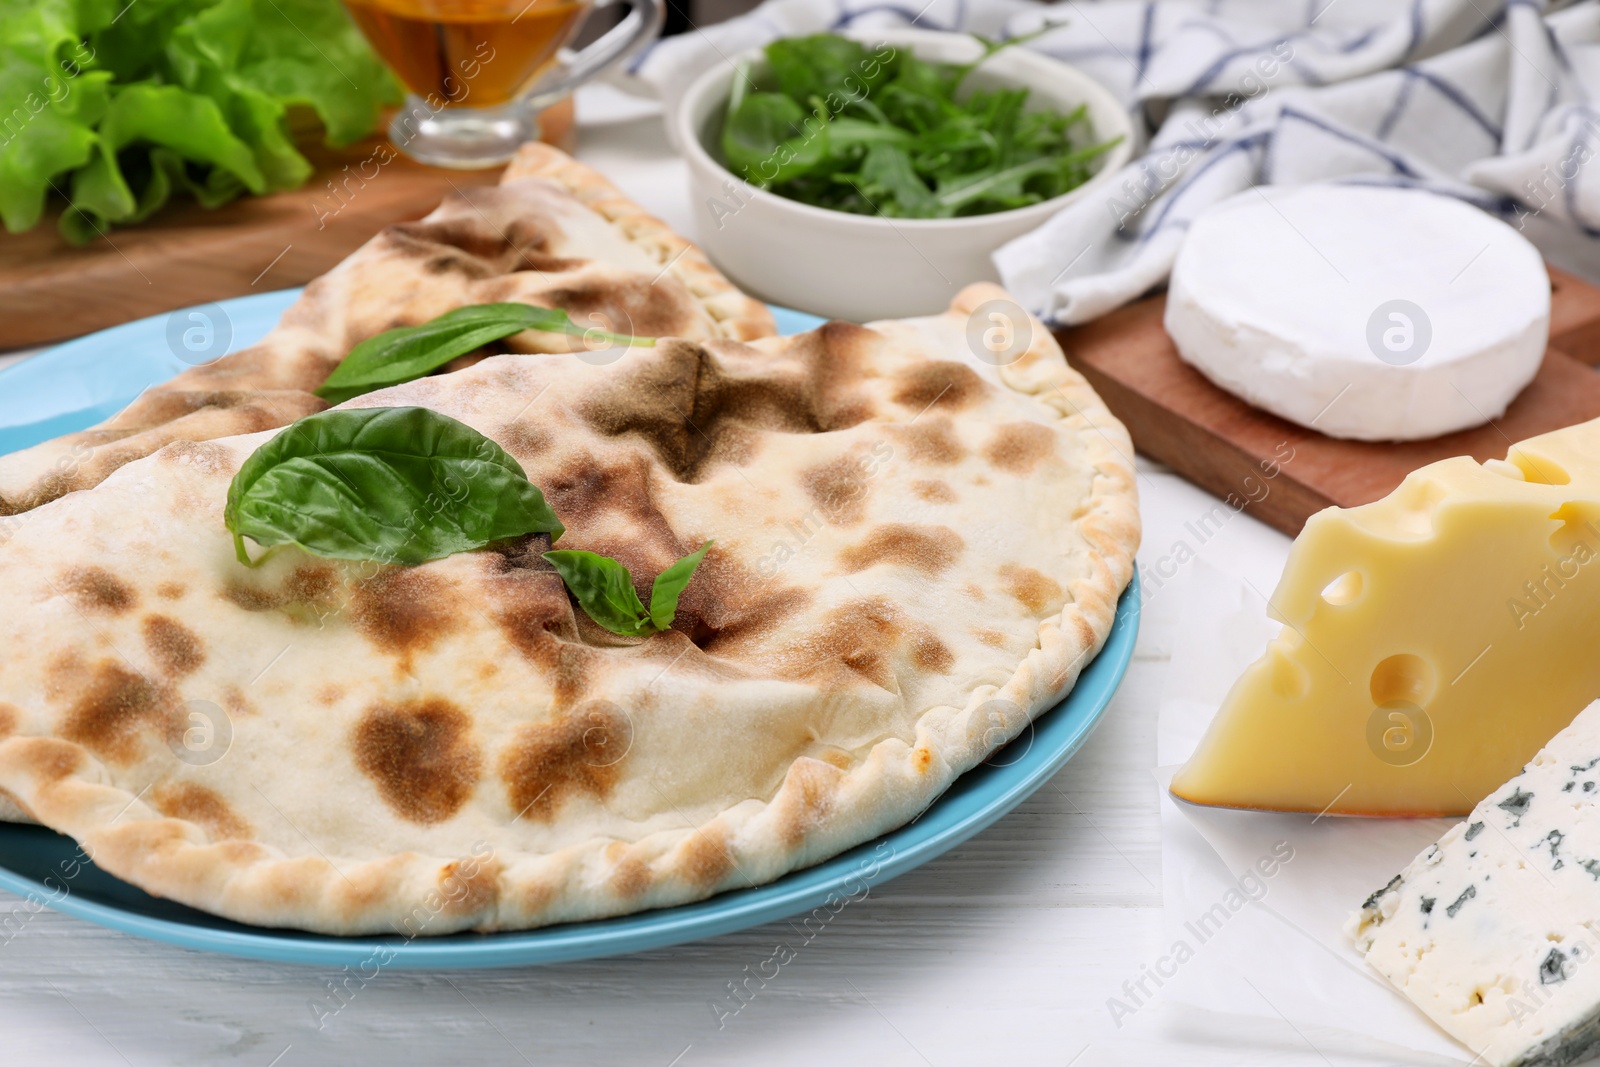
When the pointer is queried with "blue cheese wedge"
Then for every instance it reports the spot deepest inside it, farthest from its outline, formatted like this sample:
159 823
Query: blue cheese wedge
1493 931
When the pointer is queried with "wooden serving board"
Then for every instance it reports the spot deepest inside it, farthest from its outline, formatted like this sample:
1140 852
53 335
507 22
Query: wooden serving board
51 290
1213 438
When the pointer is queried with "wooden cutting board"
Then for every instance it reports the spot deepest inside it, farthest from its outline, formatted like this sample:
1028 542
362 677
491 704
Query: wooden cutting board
1283 473
51 290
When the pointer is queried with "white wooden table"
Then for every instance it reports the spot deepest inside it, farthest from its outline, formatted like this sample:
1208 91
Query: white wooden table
1003 951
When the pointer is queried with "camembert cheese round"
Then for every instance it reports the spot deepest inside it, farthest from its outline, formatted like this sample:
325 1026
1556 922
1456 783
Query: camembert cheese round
1359 311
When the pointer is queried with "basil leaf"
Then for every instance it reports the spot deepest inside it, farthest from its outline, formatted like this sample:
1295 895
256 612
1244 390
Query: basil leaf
396 485
409 352
669 584
604 589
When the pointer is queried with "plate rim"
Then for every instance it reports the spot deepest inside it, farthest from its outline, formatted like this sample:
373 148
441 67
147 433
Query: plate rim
1076 716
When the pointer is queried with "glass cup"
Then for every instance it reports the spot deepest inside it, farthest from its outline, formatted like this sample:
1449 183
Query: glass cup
479 71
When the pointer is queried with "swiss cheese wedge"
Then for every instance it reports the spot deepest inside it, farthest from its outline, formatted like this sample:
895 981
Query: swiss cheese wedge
1433 641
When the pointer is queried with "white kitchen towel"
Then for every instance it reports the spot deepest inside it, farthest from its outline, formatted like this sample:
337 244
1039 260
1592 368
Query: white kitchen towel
1486 100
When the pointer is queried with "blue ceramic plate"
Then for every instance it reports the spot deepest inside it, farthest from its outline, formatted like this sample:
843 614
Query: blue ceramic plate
89 379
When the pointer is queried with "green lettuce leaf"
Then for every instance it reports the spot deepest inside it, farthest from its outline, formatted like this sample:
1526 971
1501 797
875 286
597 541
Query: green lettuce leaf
305 52
119 106
50 105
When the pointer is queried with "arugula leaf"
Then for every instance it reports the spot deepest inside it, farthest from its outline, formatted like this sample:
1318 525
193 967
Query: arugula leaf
604 590
767 139
887 175
850 133
409 352
805 67
991 46
837 126
395 485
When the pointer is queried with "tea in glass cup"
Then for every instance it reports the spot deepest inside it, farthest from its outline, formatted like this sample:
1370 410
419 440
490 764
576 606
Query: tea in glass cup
478 71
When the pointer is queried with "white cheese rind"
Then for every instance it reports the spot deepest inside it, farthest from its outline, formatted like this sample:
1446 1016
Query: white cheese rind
1273 293
1494 931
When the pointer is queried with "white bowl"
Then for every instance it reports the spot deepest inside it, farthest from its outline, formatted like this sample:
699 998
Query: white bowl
862 267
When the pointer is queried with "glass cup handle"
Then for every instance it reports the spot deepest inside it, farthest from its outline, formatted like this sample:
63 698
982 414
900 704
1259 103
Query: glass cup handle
641 26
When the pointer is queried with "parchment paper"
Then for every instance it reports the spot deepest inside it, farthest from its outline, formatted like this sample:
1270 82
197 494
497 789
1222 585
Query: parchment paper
1256 903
